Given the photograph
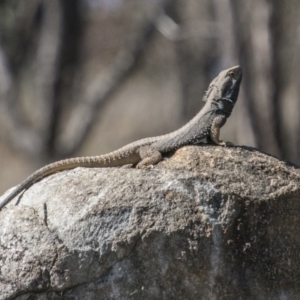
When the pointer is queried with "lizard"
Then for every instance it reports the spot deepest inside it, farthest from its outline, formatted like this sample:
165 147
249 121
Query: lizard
220 98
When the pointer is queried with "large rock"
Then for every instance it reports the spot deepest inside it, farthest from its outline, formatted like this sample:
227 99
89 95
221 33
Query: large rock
207 223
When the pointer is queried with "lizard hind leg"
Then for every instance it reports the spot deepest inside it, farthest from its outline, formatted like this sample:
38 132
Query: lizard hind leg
149 157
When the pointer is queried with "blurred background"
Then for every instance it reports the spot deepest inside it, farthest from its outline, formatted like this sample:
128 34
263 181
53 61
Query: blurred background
85 77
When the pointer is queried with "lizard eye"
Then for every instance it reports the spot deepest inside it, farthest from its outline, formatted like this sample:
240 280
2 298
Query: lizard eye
230 73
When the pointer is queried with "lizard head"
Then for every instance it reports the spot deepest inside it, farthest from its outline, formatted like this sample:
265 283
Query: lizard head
223 91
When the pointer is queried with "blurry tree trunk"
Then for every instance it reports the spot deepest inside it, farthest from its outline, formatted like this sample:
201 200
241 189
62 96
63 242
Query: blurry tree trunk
251 31
68 64
285 30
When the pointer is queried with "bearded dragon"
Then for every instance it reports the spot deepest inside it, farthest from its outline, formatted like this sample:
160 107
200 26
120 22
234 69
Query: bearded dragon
220 99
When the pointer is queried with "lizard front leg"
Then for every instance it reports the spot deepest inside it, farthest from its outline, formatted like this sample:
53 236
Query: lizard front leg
214 135
149 157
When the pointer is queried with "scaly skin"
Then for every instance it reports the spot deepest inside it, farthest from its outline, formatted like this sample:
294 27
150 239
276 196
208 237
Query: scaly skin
220 98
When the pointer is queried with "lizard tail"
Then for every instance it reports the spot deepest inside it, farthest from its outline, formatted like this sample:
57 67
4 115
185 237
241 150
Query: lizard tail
66 164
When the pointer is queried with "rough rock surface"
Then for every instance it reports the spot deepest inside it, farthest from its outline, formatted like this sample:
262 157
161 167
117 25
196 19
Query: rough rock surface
207 223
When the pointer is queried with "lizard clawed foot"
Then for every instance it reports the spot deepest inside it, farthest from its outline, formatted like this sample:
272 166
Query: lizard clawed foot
226 144
145 167
128 166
